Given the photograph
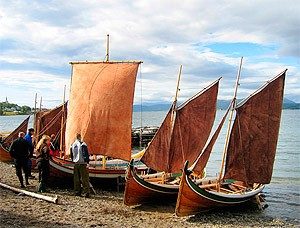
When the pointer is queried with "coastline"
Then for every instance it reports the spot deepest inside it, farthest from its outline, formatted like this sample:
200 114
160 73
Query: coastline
106 209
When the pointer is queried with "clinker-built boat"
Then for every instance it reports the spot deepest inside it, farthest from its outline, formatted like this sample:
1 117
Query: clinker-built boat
249 151
182 134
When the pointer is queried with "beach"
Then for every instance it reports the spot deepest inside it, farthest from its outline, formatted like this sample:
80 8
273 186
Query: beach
106 209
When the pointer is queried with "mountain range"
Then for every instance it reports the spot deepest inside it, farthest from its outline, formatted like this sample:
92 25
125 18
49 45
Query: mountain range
221 104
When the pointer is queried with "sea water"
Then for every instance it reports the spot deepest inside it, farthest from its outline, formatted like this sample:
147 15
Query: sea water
282 194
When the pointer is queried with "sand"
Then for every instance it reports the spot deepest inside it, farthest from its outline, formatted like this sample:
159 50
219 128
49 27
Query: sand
106 209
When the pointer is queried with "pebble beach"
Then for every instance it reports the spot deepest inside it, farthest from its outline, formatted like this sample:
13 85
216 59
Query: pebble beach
106 209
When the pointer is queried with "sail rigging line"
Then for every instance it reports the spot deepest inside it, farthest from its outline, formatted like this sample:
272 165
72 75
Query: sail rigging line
207 149
174 110
180 138
49 124
233 103
62 118
141 114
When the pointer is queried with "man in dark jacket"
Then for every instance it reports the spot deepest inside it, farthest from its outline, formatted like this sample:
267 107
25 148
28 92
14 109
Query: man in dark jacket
19 150
28 138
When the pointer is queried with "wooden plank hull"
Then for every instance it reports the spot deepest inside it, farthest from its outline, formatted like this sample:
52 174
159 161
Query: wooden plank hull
4 155
192 199
60 168
139 191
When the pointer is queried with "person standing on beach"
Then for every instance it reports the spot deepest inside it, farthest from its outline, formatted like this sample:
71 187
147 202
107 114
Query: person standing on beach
80 156
19 151
43 154
28 138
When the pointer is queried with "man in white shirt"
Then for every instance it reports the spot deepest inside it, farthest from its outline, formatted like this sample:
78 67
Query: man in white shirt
80 156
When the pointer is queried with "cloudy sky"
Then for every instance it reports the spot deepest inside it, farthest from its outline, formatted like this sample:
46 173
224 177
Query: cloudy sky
38 39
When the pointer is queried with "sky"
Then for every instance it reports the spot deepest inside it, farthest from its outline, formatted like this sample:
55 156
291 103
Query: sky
38 39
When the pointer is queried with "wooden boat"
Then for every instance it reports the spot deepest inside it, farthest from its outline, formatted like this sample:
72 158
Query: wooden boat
249 151
64 168
182 134
5 144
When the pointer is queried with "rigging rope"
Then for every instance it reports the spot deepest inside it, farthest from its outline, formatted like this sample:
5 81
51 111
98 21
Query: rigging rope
141 114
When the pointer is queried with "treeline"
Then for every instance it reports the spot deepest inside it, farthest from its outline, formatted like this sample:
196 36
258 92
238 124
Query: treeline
14 109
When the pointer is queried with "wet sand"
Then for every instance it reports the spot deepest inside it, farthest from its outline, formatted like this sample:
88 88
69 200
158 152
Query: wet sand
106 209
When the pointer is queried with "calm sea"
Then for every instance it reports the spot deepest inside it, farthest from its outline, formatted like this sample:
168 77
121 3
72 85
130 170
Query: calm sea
282 195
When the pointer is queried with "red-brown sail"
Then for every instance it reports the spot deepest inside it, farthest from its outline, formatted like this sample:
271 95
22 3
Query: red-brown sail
194 119
202 160
50 121
13 135
254 135
156 153
100 107
37 122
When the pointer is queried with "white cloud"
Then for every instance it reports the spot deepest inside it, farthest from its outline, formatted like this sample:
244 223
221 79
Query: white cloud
164 34
24 84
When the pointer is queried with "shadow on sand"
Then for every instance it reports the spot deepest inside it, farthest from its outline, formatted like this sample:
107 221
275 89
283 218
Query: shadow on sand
10 219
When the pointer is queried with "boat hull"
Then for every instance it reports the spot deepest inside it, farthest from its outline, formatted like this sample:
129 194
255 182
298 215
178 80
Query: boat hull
139 191
60 168
192 199
4 155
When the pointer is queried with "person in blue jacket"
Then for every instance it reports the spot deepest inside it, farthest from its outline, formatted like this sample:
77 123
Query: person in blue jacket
28 138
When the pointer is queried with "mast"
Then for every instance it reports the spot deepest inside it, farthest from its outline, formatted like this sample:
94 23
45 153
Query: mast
107 60
35 102
107 49
62 123
39 121
34 115
176 96
174 107
41 100
233 103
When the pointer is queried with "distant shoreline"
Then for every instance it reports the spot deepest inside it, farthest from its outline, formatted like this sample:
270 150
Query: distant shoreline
145 109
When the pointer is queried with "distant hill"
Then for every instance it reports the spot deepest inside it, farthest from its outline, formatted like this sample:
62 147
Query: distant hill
7 108
221 104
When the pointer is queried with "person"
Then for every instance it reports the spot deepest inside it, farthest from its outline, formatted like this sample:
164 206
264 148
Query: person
80 156
54 147
28 138
19 151
43 149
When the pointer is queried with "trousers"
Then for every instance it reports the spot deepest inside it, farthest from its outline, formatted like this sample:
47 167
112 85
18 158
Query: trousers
81 176
21 164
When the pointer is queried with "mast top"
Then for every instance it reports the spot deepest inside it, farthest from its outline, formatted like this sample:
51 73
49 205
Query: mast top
108 62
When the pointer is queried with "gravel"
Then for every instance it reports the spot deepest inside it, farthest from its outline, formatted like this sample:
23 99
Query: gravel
106 209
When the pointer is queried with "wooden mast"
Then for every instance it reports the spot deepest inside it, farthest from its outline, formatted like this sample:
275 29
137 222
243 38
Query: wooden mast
39 120
106 59
233 104
107 49
176 97
174 107
35 120
62 124
35 102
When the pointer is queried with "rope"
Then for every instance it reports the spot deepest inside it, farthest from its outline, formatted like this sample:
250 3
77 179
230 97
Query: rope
141 114
50 124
